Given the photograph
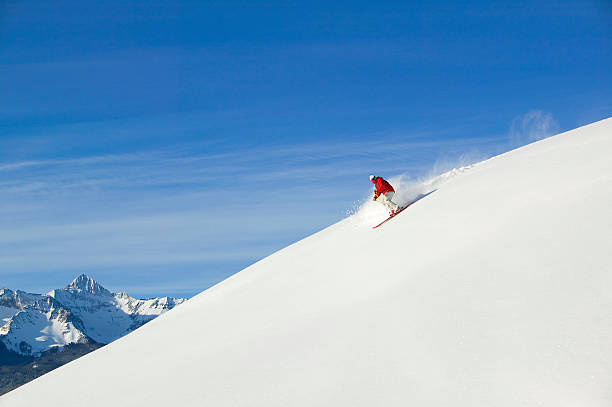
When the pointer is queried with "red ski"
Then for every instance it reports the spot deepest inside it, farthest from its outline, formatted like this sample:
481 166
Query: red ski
401 209
392 216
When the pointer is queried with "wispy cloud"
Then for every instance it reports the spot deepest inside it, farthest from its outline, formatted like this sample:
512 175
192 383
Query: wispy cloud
175 168
189 207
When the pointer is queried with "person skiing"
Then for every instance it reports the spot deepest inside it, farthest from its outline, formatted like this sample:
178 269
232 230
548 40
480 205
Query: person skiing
384 193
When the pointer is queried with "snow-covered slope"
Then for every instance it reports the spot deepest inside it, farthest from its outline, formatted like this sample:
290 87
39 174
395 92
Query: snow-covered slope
492 291
82 312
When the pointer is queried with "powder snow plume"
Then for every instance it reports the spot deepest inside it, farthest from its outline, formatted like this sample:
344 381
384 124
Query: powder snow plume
367 212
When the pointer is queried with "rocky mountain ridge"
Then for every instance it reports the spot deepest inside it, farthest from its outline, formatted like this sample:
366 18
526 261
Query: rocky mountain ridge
84 312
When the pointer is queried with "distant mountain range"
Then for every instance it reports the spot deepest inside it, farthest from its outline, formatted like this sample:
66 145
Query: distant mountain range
82 316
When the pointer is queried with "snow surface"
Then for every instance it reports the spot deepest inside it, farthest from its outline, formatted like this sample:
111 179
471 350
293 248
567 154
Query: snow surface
492 291
6 313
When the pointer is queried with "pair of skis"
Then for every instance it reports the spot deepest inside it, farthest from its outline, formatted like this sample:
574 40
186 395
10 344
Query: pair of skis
402 208
392 216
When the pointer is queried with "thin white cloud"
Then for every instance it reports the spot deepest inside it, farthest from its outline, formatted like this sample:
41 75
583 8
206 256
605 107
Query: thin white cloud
176 208
150 169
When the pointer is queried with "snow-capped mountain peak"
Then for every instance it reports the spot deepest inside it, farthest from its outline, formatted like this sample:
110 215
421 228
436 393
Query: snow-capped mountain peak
40 326
84 311
84 283
17 300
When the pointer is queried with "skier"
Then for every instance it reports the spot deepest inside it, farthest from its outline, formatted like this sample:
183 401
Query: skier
385 192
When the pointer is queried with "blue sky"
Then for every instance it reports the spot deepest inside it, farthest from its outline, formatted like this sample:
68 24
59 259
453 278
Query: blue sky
162 146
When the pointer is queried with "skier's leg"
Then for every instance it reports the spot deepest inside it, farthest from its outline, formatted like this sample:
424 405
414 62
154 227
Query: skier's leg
389 201
384 199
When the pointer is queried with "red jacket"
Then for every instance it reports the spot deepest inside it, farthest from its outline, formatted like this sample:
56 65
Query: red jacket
382 187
